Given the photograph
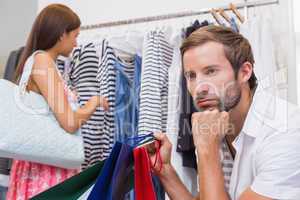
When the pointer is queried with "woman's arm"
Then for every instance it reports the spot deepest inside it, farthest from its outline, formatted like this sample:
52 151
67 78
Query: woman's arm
51 86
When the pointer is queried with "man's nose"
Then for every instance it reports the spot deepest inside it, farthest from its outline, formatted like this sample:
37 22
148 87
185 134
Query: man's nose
202 90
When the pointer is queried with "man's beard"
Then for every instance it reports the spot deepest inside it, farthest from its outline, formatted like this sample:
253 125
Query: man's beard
228 100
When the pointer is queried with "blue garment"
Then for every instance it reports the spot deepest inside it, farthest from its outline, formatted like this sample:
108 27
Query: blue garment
127 103
160 192
234 25
122 171
102 189
127 100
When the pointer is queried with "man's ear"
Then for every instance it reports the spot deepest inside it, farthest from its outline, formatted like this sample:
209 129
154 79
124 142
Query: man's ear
245 72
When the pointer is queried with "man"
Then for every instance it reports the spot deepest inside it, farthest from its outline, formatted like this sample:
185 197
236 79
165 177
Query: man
261 131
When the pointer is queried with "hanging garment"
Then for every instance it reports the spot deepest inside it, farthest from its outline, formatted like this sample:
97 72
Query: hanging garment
234 25
80 72
186 174
143 186
97 142
121 179
106 80
128 82
195 26
157 59
258 31
185 143
76 187
103 187
5 163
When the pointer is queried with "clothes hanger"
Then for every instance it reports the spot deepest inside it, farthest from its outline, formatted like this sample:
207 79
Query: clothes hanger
126 45
236 12
215 15
135 40
224 15
118 42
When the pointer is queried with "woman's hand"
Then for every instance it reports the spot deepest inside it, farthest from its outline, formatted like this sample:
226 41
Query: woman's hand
102 102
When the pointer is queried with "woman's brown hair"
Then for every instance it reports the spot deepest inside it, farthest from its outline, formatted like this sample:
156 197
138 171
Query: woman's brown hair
52 22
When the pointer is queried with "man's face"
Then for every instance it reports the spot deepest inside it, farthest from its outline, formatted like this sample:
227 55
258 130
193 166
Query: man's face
210 78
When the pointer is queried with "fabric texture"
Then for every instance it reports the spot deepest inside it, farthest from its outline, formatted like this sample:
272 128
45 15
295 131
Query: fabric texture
157 59
45 142
75 187
121 179
103 186
143 185
81 71
28 179
3 191
128 82
106 80
267 149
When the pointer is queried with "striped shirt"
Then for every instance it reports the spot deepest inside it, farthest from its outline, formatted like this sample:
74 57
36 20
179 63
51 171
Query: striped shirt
82 73
157 59
106 78
227 163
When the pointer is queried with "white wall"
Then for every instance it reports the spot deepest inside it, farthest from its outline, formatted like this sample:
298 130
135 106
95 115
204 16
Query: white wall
297 30
298 64
16 18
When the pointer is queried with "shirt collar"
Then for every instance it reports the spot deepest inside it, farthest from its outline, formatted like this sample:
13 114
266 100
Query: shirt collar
257 113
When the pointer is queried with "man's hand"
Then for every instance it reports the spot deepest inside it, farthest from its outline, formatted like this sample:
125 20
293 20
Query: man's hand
167 175
208 128
164 151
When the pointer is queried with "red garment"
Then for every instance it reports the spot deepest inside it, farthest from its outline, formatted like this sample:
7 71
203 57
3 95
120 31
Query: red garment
28 179
143 186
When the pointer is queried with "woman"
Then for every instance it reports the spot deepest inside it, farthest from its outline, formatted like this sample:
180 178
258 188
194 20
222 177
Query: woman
54 33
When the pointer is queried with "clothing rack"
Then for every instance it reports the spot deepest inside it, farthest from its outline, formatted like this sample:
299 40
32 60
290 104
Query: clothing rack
245 5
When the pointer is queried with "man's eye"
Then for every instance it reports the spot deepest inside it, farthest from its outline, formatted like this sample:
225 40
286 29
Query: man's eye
211 71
